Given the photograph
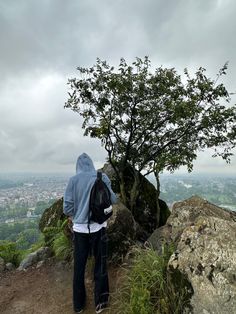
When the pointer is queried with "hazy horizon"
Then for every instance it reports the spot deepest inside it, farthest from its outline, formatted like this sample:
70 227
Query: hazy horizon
180 174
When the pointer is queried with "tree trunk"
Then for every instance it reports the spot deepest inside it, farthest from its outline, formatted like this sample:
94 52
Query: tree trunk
123 190
134 191
157 198
120 176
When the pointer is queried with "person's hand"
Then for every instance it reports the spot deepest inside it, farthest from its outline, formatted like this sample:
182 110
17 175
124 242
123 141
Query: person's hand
70 223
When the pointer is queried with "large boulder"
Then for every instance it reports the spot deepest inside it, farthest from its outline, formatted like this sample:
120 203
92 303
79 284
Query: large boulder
10 266
121 231
110 172
145 210
40 255
205 254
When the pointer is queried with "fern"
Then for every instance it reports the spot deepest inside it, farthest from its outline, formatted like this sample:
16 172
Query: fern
62 247
58 241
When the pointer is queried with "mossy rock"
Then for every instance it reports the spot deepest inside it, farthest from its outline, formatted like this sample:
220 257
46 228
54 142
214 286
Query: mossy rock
121 233
52 215
145 209
145 212
160 237
110 172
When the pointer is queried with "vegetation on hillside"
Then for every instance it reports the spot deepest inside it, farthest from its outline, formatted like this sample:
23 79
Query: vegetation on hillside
20 238
10 253
219 190
25 232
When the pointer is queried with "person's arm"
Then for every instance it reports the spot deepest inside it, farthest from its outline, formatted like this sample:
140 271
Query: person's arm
68 205
108 183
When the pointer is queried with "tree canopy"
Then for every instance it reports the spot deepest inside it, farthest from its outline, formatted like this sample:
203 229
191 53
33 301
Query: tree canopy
153 119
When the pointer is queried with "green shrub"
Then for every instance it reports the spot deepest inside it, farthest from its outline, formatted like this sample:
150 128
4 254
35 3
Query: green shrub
9 252
50 233
148 288
62 246
58 241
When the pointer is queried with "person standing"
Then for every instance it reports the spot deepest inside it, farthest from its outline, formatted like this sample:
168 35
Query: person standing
76 206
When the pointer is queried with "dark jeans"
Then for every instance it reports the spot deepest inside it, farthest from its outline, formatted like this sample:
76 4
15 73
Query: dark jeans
97 243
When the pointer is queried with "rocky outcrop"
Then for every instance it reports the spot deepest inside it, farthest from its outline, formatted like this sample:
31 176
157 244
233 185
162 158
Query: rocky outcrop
52 215
40 255
145 210
205 254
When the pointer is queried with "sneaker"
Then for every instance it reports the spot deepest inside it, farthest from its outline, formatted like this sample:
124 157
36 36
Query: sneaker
100 307
78 311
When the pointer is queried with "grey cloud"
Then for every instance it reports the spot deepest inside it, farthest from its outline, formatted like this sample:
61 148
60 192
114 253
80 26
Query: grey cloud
56 147
60 35
42 43
206 164
35 128
40 35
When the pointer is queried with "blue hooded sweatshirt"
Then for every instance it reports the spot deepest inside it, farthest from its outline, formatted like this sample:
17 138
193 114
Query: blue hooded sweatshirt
77 194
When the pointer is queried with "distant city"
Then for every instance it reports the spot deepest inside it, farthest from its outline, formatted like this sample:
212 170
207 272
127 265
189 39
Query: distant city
19 191
219 190
26 191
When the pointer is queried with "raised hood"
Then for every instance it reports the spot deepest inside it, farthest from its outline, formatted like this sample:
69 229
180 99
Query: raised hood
84 164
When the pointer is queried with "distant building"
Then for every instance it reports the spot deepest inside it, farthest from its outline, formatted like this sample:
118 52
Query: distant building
9 220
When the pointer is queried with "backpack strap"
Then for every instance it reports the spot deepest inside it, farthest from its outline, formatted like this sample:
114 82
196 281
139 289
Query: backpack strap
99 175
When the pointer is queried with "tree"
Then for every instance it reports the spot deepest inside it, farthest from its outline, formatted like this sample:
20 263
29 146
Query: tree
151 120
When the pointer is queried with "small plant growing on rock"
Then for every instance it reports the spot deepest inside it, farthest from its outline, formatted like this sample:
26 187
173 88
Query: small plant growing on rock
58 241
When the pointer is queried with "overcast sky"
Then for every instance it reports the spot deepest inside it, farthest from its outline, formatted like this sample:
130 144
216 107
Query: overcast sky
42 43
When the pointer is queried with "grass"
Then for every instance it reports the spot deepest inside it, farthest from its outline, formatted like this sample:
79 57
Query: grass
149 289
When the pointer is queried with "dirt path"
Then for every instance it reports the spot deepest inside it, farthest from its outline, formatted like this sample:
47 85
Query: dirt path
47 290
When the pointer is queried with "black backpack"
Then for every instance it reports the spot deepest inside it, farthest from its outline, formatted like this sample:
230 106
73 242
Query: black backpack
100 201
